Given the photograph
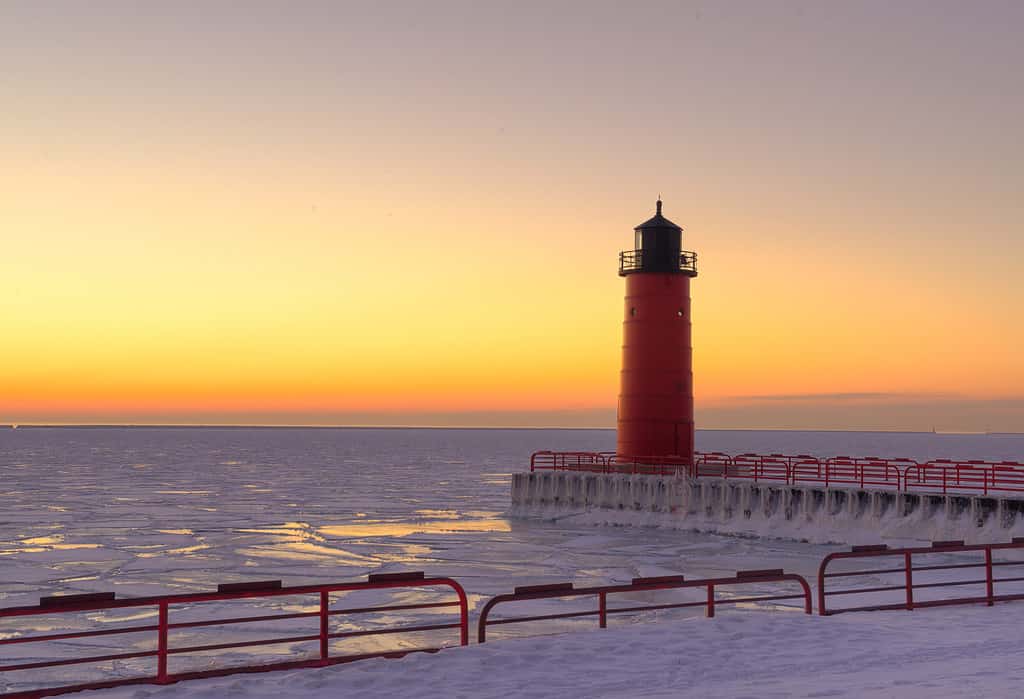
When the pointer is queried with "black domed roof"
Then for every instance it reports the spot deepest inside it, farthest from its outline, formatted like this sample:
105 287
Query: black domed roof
658 221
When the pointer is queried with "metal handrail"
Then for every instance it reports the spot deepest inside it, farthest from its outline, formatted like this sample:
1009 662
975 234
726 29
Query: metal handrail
165 648
966 476
668 582
633 260
905 565
650 465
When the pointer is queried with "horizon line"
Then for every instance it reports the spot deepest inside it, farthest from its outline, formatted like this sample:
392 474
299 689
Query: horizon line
271 426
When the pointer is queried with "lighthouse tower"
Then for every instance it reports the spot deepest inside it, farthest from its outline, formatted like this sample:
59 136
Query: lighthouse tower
656 389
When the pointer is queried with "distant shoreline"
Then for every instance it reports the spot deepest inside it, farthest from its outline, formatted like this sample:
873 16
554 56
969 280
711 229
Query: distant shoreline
102 426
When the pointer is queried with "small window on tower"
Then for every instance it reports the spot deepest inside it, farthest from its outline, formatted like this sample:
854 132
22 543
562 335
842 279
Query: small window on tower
680 313
632 311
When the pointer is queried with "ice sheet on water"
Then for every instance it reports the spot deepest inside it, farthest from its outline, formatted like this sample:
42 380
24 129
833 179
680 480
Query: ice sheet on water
167 506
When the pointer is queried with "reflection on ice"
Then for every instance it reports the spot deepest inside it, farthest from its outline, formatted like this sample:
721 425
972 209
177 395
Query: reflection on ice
180 551
54 539
182 492
42 544
438 514
113 616
307 551
408 528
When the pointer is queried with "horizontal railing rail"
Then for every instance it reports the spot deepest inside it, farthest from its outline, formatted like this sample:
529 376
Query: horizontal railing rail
570 461
948 476
872 472
671 582
843 470
165 646
910 575
633 261
761 467
649 465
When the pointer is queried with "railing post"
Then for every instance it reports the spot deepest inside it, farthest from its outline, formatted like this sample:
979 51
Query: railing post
325 603
821 587
910 580
989 580
463 614
808 607
161 645
711 601
602 608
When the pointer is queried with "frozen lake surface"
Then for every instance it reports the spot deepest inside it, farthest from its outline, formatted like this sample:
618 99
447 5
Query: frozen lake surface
155 510
147 511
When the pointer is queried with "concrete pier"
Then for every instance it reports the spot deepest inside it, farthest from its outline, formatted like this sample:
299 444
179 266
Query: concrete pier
742 507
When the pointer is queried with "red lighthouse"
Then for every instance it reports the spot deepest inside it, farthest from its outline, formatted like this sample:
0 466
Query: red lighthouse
656 390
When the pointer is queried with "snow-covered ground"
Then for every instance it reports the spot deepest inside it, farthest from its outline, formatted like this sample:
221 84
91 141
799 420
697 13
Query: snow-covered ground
958 652
152 511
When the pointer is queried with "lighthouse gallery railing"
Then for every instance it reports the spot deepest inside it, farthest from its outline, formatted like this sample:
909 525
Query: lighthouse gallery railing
633 261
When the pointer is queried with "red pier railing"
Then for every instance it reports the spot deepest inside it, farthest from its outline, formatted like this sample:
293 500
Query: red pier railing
165 643
899 474
915 570
869 472
970 476
755 467
914 576
570 461
670 582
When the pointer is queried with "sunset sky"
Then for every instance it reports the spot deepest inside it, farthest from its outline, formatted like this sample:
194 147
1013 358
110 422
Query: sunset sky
410 213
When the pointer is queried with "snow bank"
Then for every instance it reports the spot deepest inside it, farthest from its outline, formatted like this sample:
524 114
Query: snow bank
802 513
738 654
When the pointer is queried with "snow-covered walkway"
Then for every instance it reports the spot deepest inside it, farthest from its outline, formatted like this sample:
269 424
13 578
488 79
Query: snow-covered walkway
963 652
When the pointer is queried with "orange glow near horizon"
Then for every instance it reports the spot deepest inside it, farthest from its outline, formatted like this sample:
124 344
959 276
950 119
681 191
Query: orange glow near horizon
226 246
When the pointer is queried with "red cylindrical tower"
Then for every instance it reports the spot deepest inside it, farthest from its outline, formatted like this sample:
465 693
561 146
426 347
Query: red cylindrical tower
656 389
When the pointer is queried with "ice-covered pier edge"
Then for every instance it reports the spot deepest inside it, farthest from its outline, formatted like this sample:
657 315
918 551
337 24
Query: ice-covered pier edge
804 513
